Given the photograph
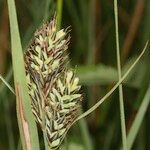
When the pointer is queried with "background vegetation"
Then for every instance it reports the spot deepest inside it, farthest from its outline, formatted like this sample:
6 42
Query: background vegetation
93 53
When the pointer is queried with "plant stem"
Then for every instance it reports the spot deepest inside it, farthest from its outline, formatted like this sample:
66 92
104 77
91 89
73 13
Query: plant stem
122 115
7 84
86 113
59 13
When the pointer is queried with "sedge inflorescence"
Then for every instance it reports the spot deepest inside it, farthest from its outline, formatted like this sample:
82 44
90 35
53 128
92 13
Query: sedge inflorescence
53 87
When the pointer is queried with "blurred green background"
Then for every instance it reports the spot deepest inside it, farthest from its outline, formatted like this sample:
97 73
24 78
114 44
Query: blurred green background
92 53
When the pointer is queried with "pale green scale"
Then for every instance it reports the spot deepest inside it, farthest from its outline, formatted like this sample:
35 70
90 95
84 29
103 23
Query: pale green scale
62 131
56 93
52 134
47 72
51 44
39 61
60 126
65 97
34 86
74 86
45 55
52 97
46 67
68 105
55 143
60 44
48 112
48 60
74 96
28 79
60 34
38 49
59 53
55 64
41 38
69 76
56 125
68 80
37 117
64 111
32 56
32 92
35 67
60 86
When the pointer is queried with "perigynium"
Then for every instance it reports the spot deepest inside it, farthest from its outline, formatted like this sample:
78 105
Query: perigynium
53 87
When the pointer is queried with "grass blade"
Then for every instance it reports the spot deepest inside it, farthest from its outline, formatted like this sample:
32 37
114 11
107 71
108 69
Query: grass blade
27 125
122 115
138 119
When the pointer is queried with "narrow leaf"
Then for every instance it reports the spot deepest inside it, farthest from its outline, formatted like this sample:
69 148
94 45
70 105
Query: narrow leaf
138 119
27 125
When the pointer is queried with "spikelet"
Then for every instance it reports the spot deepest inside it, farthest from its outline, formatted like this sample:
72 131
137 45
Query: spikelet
53 88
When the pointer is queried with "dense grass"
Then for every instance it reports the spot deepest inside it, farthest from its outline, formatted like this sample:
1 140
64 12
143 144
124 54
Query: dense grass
93 53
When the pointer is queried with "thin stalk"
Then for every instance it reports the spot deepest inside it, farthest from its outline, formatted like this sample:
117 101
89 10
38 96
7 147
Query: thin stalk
86 113
7 84
122 115
59 13
7 79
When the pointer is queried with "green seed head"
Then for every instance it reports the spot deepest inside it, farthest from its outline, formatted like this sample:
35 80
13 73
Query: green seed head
53 87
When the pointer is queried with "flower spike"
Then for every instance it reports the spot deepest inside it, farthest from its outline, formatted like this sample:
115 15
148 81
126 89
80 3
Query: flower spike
53 87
